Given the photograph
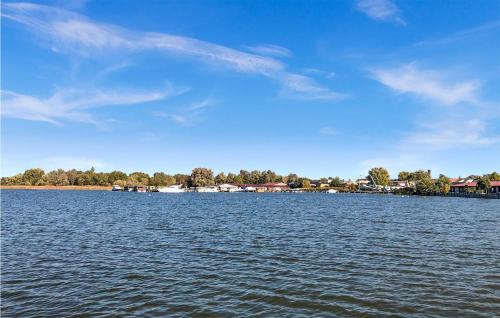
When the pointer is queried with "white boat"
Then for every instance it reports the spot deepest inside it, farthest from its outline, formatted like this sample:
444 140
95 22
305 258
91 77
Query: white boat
332 191
116 188
140 189
207 189
171 189
238 189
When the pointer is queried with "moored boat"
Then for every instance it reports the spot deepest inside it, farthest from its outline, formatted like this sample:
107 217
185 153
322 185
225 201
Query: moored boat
171 189
207 189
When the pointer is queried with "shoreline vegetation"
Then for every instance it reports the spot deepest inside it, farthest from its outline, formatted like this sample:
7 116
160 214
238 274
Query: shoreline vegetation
55 187
378 180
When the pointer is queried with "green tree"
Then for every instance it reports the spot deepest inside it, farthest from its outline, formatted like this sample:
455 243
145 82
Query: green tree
484 184
162 179
114 176
269 176
181 179
230 178
33 176
58 178
494 176
305 183
379 175
292 178
245 176
425 186
138 179
404 176
336 182
443 184
73 176
238 179
14 180
255 176
202 177
420 175
84 179
101 179
220 178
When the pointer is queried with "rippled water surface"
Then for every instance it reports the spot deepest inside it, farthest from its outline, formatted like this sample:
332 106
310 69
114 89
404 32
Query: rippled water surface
87 254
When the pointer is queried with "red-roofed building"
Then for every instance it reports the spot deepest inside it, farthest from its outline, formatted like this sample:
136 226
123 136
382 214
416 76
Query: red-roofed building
495 186
463 186
266 187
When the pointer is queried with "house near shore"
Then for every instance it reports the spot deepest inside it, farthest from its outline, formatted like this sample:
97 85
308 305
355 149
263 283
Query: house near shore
495 187
363 182
464 186
265 187
470 186
399 184
276 186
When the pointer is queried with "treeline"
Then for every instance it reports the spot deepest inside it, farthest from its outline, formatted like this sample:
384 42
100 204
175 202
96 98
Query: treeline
199 177
421 181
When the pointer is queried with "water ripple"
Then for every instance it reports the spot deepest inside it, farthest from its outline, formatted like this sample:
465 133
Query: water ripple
104 254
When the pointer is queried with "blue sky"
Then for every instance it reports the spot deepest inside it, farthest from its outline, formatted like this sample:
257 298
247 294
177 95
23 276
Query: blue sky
319 88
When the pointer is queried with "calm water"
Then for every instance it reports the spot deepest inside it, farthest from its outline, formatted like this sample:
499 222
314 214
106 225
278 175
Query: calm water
87 254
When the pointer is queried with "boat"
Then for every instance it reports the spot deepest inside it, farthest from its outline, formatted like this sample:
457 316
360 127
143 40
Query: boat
171 189
140 189
332 191
116 188
207 189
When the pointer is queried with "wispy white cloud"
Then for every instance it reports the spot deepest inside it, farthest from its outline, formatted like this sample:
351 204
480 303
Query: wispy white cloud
328 131
303 87
187 115
73 104
72 4
470 33
72 32
114 68
383 10
196 106
326 74
454 134
270 50
431 84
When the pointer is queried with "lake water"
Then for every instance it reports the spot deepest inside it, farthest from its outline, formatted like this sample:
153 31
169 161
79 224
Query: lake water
88 254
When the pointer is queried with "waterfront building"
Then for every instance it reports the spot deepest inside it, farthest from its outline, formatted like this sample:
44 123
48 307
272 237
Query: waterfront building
466 186
495 187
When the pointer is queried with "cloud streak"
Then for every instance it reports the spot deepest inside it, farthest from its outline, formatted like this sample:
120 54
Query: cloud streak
270 50
73 104
430 84
382 10
187 115
72 32
302 87
454 134
472 33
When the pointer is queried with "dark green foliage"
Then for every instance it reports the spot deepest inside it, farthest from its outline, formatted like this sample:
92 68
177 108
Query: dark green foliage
202 177
379 175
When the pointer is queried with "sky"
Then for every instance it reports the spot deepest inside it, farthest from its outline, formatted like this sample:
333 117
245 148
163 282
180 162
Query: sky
318 88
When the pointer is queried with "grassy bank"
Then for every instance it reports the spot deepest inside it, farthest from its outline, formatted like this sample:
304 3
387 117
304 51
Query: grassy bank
51 187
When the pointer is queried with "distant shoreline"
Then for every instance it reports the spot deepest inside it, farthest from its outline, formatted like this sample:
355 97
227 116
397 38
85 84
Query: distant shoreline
51 187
